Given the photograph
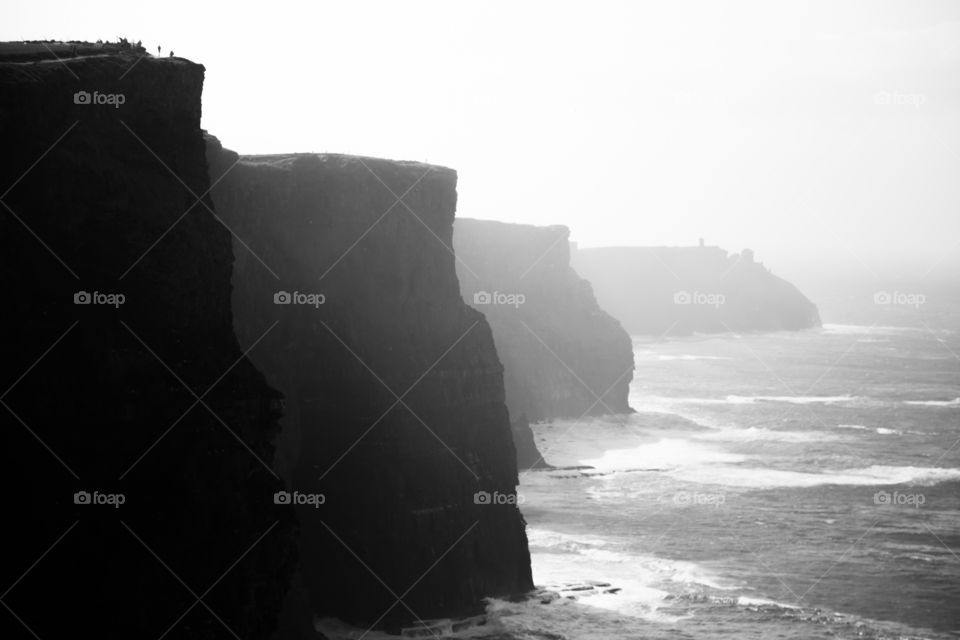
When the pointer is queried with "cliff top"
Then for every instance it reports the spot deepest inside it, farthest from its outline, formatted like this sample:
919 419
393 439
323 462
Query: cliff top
515 226
663 248
287 160
40 50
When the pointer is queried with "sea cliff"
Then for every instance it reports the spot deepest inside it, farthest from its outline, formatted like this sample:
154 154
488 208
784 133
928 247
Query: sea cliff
138 433
394 392
563 355
682 290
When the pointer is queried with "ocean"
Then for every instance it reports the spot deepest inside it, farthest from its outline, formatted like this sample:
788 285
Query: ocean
782 485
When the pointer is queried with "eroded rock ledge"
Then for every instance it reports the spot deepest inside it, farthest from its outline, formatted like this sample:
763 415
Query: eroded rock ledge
399 477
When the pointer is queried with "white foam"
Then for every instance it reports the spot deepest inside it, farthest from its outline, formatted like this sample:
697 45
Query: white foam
757 434
757 478
548 540
853 426
861 329
738 399
560 560
565 619
763 602
791 399
935 403
689 357
665 453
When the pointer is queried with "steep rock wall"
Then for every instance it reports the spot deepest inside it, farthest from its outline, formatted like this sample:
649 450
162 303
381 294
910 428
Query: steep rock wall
100 399
399 478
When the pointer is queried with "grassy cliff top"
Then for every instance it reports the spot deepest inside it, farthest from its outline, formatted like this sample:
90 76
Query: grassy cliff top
34 50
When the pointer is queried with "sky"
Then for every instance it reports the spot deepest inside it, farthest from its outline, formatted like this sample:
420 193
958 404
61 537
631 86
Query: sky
823 135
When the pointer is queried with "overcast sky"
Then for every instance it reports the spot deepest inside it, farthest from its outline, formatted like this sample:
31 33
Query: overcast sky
812 133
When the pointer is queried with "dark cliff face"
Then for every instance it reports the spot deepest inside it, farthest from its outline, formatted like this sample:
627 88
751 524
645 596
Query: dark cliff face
681 290
100 195
394 394
563 356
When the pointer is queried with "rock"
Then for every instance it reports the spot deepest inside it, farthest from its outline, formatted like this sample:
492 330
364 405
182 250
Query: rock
563 356
682 290
528 455
98 191
394 392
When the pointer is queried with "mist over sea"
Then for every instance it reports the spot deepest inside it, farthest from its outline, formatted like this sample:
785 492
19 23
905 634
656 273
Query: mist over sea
793 485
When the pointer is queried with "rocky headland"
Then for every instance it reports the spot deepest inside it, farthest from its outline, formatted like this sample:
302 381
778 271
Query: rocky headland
683 290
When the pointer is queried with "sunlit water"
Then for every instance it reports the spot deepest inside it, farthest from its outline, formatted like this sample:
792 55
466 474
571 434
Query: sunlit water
789 485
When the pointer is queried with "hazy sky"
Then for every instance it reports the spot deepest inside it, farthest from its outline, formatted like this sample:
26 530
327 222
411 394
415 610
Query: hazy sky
809 132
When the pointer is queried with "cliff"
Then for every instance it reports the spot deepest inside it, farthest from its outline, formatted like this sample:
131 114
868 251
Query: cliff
136 434
682 290
394 393
563 356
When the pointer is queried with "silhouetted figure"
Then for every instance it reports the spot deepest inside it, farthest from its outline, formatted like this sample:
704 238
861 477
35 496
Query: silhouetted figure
158 51
171 53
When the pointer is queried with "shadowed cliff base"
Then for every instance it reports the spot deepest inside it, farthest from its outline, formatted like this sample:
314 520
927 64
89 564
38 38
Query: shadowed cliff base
344 279
137 431
683 290
563 356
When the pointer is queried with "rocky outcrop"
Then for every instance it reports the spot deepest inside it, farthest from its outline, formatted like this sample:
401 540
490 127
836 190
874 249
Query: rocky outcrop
682 290
137 436
563 356
528 454
346 293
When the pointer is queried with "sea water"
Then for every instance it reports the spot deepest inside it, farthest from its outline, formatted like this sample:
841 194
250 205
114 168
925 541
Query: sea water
783 485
